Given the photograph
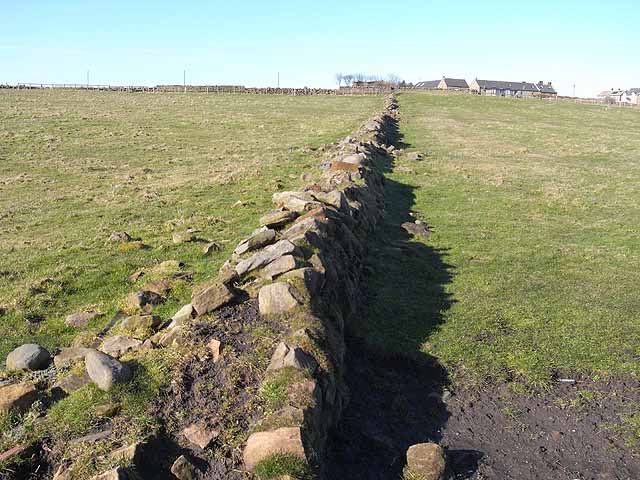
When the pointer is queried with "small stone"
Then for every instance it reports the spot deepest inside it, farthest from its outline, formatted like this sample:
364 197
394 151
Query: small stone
276 298
415 156
262 445
119 237
215 347
337 165
73 382
427 461
28 357
211 247
279 266
277 218
295 201
182 315
140 326
144 300
183 469
135 276
69 356
417 229
105 371
118 345
266 256
161 287
17 397
199 435
258 239
80 319
211 297
107 410
117 473
183 237
355 159
556 436
175 336
130 453
286 357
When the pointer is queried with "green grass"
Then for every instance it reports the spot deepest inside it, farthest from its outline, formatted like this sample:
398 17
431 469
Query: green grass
533 262
279 465
77 166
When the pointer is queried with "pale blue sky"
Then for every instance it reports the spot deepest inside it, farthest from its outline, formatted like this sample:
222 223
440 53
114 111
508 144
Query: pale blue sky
594 44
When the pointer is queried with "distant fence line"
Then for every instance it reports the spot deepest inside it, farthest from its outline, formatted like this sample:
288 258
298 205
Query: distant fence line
200 89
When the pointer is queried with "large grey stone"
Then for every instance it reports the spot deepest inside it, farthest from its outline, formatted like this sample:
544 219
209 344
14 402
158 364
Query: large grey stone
258 239
262 445
279 266
427 461
105 371
276 298
118 345
182 315
17 397
335 198
264 257
80 319
285 356
211 297
28 357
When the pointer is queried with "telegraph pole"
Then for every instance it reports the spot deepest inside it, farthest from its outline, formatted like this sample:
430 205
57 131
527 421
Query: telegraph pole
574 90
184 80
278 79
87 79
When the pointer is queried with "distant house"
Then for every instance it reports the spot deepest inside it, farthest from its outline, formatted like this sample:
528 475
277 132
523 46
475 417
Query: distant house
443 84
621 97
428 85
512 89
453 84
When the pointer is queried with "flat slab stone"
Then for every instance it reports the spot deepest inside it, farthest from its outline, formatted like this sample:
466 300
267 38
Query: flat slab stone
262 445
266 256
17 397
213 296
276 298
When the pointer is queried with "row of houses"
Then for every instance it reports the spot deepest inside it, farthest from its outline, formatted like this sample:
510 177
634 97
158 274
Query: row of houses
491 87
621 97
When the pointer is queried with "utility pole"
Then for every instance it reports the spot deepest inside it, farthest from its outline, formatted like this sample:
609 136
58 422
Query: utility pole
184 80
278 79
87 79
574 90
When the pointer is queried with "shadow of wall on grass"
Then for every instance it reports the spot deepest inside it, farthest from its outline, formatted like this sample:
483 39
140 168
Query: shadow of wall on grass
398 392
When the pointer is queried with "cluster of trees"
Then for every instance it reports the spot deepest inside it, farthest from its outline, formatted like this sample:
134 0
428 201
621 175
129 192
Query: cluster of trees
348 79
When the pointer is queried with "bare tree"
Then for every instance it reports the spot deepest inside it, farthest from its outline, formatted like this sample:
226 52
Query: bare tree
348 80
394 79
339 78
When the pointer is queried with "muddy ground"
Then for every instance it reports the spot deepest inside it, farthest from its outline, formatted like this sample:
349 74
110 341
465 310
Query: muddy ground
489 433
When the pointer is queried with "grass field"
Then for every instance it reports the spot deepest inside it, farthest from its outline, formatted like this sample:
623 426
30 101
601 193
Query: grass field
533 262
77 166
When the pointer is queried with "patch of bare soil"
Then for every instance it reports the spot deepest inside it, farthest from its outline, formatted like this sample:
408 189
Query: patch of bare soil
490 433
216 395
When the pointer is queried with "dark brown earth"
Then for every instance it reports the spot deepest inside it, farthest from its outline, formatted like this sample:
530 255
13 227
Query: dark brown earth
489 433
221 396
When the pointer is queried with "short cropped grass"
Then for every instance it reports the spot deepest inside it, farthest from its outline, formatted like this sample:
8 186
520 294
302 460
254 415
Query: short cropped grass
533 262
77 166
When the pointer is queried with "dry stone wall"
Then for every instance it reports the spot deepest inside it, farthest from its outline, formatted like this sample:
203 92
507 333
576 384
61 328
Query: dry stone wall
304 266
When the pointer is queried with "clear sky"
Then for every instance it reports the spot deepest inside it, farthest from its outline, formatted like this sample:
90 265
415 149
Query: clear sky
593 44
